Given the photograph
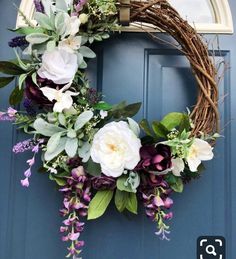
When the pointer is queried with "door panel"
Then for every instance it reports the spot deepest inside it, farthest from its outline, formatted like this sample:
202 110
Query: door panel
129 67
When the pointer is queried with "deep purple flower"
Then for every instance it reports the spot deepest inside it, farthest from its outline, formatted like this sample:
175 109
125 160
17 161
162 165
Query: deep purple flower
39 6
19 41
103 183
155 158
28 104
79 5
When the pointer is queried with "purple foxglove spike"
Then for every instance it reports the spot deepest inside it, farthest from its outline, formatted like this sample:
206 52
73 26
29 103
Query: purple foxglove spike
27 173
25 182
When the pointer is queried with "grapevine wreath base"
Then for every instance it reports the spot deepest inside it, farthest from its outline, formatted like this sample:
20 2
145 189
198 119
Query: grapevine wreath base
94 150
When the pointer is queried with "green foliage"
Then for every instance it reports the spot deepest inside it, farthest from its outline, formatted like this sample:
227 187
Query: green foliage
99 204
176 119
175 182
82 119
48 156
16 96
159 129
128 182
144 125
46 129
92 168
122 110
5 81
125 200
103 106
10 68
60 181
28 30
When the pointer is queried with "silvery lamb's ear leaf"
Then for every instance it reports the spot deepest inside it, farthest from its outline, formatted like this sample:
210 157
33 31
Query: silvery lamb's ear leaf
84 152
37 38
44 21
60 23
82 119
87 52
134 126
71 146
80 59
60 147
47 6
61 5
46 129
51 45
53 142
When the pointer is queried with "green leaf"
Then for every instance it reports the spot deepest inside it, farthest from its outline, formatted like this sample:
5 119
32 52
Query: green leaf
53 142
92 168
121 184
62 119
60 147
82 119
10 68
51 45
37 38
134 126
172 120
87 52
27 30
159 129
71 146
60 181
5 81
44 21
99 204
132 203
16 96
46 129
178 186
144 125
185 124
61 5
22 80
103 106
132 109
121 200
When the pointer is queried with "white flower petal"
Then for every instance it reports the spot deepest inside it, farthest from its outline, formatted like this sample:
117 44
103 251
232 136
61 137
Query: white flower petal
178 166
193 163
50 93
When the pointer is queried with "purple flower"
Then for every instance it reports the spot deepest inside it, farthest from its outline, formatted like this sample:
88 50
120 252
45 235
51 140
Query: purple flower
157 159
168 202
29 107
23 146
10 115
79 5
19 41
25 182
168 215
27 173
39 6
103 183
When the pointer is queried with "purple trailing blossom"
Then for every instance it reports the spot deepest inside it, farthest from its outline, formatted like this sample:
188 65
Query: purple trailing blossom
155 158
103 183
10 115
76 199
79 5
29 144
31 162
19 41
39 6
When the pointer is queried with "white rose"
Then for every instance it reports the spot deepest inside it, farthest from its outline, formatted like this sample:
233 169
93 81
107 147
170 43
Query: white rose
72 24
70 44
59 66
199 151
115 147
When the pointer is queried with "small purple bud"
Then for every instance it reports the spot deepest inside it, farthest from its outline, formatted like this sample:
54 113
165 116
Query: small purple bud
25 182
74 236
168 202
27 173
31 161
168 216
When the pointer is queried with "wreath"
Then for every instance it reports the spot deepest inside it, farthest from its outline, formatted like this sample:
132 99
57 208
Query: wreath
94 150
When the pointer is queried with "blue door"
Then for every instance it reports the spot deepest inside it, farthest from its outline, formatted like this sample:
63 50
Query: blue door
132 67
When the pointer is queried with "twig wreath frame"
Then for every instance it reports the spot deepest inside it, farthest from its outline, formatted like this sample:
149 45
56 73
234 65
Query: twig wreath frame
92 149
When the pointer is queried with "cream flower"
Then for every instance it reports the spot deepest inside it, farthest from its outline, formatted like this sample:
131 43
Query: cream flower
83 18
63 99
58 65
115 147
72 24
199 151
70 44
177 166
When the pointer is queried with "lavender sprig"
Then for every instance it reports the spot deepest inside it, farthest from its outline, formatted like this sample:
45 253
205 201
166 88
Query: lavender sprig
39 6
19 41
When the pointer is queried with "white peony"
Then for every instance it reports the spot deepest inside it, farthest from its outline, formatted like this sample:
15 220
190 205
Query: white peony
199 151
58 65
63 99
115 147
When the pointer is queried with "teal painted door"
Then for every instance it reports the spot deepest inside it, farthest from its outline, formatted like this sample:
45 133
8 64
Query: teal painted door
132 67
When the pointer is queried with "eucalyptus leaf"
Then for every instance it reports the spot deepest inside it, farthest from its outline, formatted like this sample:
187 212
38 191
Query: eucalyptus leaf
82 119
53 142
5 81
60 147
99 204
46 129
87 52
71 146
